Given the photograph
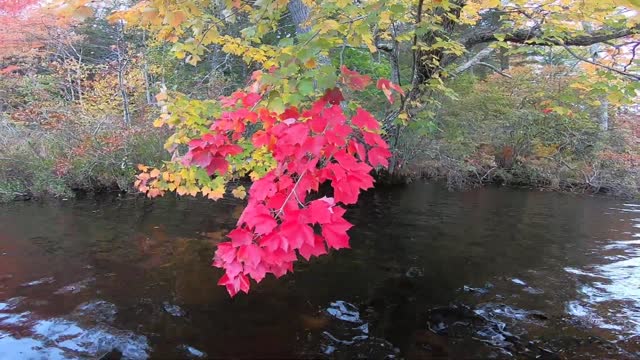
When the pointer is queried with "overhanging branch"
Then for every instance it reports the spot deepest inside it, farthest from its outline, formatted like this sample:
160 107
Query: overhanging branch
534 36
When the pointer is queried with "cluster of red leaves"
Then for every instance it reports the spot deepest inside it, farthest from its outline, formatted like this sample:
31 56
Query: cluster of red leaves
283 219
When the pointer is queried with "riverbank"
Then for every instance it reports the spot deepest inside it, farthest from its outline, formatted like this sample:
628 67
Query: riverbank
470 182
611 177
38 161
34 169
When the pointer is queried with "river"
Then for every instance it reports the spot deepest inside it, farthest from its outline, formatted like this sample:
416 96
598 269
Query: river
487 273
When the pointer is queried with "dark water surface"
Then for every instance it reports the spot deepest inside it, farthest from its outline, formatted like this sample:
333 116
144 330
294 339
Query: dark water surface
490 273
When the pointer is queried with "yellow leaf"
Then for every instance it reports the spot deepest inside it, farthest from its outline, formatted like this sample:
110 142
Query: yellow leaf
154 173
181 190
176 18
216 193
239 192
328 25
143 168
151 15
158 123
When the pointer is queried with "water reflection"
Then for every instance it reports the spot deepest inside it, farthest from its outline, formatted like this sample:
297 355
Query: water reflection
489 273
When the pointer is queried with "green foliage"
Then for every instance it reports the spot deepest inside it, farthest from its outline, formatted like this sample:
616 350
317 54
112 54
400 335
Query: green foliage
533 128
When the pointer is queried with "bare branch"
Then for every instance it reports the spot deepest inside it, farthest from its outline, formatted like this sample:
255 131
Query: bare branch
473 61
582 58
495 69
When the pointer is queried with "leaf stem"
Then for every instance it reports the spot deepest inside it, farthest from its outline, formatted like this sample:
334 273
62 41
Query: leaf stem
291 193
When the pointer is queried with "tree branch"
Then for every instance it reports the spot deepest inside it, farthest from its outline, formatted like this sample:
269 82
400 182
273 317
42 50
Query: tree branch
473 61
495 69
582 58
530 35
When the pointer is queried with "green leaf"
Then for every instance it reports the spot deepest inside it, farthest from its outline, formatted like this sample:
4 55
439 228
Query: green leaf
305 87
275 102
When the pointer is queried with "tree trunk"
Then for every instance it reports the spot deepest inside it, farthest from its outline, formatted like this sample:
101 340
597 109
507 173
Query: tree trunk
603 116
79 78
145 70
299 13
504 59
122 64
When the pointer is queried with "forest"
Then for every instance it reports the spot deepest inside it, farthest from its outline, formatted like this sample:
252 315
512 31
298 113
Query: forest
273 100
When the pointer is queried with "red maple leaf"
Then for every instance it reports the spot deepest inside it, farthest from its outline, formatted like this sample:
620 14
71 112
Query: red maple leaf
354 80
250 254
335 233
333 96
316 249
364 119
296 233
240 237
386 86
320 210
258 217
379 156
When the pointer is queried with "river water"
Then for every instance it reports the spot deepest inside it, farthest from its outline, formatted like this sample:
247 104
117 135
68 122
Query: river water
488 273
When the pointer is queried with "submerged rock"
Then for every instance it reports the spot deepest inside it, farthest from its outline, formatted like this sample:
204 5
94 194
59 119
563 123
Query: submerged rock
414 272
75 287
173 310
46 280
11 304
98 311
192 352
348 336
477 290
344 311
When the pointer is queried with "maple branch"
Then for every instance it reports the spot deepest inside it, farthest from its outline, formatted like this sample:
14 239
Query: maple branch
291 193
610 68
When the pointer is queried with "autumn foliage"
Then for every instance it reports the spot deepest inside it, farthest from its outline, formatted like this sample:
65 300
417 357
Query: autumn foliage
285 217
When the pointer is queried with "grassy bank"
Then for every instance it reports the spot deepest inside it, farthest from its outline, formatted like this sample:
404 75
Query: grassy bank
38 161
